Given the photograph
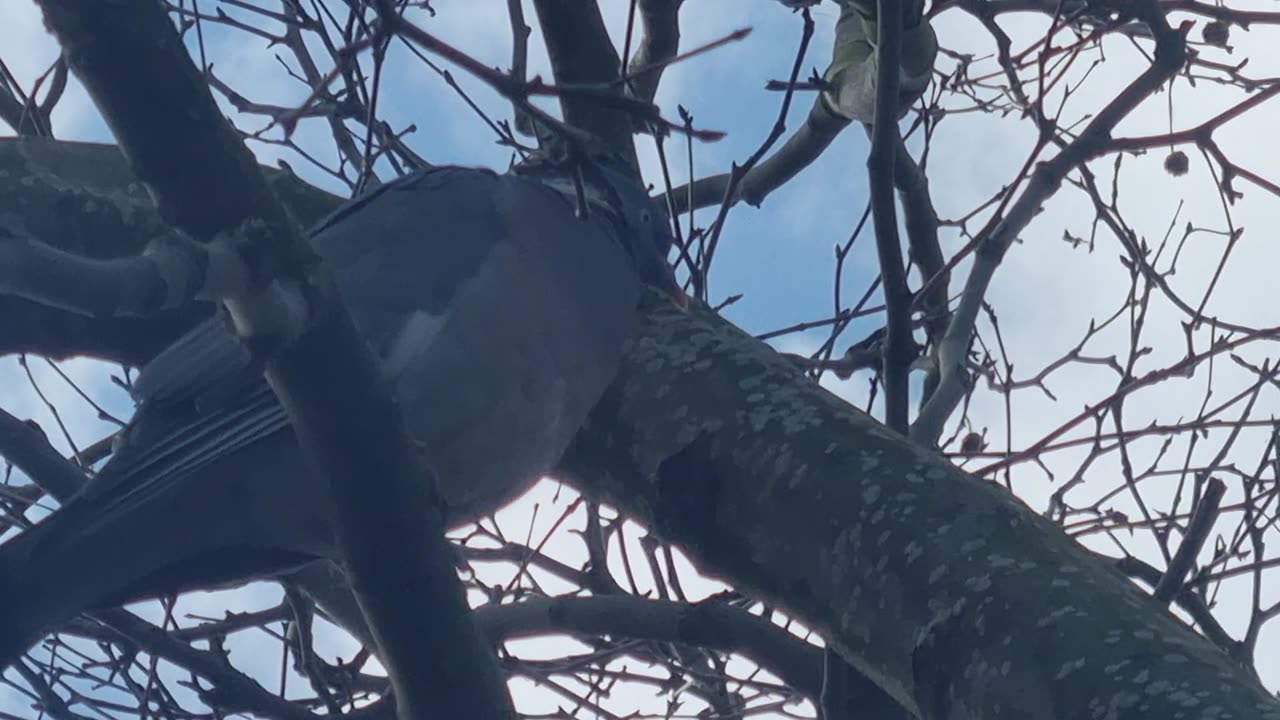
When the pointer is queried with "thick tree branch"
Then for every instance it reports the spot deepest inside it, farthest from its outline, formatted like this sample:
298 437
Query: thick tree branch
102 213
930 581
582 54
801 149
708 624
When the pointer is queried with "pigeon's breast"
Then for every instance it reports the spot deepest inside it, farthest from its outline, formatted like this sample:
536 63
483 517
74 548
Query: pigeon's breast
528 346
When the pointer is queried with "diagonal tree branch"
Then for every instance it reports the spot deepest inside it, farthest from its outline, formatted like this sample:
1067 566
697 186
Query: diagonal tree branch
940 592
205 182
660 20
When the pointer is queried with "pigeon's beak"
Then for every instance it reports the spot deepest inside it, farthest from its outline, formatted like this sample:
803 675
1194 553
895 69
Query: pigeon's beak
672 288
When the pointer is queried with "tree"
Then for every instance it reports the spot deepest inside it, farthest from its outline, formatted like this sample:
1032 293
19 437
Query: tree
947 596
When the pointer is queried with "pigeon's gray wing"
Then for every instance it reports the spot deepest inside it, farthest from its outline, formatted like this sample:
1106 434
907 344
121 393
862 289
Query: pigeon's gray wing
209 433
202 398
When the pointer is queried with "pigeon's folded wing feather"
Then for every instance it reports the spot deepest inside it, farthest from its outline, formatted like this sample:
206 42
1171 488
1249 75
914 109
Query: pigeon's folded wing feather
203 398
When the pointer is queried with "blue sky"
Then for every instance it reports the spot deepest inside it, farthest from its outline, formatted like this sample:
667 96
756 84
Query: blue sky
780 256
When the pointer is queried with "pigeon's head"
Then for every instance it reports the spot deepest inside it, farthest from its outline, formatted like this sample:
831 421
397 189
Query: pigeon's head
611 188
646 228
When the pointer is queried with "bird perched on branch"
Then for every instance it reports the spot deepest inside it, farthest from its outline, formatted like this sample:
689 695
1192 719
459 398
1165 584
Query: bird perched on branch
498 313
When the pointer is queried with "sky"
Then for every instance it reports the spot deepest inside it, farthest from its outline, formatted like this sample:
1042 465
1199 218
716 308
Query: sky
780 256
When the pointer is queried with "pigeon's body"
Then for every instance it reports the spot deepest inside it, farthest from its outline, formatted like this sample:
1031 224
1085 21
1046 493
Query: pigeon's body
499 316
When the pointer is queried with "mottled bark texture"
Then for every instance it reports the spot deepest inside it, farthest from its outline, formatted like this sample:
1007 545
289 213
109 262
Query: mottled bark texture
943 589
82 197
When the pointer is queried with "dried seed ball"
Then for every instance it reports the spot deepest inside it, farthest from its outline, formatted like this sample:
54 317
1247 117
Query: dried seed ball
1216 33
1176 164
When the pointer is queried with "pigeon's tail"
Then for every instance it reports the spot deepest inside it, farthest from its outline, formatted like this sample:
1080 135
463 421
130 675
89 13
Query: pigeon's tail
32 599
16 630
198 531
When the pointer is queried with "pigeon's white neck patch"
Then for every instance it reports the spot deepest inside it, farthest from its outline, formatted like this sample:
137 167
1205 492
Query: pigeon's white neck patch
412 341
